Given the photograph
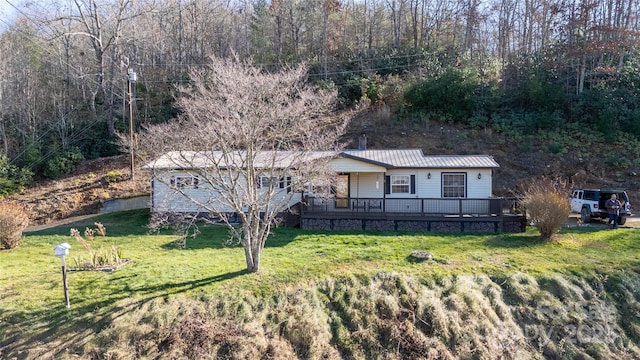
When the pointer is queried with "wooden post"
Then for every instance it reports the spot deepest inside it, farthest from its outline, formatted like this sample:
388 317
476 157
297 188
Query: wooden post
131 81
131 133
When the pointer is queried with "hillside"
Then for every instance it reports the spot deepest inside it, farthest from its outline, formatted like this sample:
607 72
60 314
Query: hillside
583 161
573 158
83 191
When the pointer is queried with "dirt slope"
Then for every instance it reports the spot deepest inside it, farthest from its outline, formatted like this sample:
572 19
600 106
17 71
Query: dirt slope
83 191
520 160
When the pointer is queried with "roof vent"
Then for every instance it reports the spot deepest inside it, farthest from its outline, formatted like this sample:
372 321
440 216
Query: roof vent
362 142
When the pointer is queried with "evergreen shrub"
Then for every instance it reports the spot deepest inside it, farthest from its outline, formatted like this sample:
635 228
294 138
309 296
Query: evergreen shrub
63 163
12 178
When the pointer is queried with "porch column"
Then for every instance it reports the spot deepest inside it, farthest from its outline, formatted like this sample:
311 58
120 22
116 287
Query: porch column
384 192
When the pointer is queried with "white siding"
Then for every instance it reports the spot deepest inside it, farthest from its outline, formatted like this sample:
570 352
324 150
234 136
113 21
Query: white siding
479 188
345 165
168 199
428 185
407 172
363 185
432 187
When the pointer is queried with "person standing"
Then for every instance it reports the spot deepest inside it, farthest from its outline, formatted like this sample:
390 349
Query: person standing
613 208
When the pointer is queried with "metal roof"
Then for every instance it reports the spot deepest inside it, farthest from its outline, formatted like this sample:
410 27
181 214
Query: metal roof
208 159
415 158
388 158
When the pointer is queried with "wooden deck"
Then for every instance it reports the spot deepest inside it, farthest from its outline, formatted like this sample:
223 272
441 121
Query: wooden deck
448 215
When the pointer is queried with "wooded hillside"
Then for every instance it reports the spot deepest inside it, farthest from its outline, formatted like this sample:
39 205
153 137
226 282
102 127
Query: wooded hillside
551 76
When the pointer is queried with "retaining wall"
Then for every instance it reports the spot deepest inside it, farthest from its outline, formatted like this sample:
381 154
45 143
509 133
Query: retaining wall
132 203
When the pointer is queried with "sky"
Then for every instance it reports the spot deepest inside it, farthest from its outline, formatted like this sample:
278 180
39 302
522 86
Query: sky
7 12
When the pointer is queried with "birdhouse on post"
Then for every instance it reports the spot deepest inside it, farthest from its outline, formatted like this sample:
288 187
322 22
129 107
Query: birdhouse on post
61 251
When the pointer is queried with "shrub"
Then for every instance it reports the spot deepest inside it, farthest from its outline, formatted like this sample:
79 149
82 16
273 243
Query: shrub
13 220
547 205
448 96
619 161
113 176
351 92
12 178
63 163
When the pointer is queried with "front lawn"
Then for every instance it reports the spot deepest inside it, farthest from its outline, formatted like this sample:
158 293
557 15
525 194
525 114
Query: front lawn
32 311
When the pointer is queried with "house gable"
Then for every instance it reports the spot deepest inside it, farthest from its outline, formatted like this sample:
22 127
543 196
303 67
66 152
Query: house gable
350 165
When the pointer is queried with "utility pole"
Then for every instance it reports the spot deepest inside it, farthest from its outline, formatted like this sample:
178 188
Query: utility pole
132 80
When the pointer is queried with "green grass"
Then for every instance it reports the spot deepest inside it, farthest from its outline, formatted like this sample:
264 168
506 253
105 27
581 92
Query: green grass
31 295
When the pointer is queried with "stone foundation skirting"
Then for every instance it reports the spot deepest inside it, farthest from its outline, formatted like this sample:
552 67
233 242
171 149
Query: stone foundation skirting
503 224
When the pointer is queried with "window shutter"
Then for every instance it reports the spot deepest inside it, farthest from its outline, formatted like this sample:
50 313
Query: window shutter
387 184
282 183
259 182
288 184
413 184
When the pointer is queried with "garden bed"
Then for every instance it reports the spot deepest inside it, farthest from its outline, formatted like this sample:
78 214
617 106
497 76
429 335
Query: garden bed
105 268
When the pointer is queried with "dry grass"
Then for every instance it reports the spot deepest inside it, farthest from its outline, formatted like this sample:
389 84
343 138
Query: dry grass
389 316
81 192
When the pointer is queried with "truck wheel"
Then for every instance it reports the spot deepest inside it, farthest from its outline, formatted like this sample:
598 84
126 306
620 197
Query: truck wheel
622 220
584 215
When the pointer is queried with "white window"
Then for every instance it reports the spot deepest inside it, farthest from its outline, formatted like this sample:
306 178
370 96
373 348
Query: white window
276 182
400 184
266 181
184 181
454 185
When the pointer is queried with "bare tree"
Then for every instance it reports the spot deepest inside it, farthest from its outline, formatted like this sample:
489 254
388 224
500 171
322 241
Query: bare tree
253 140
101 23
396 7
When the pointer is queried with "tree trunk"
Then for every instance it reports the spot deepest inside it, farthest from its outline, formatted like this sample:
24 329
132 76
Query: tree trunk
252 240
3 135
581 74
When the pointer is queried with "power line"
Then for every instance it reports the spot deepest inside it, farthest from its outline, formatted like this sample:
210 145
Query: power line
74 136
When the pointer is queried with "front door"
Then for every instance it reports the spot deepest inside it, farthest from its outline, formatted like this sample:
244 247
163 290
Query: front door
342 191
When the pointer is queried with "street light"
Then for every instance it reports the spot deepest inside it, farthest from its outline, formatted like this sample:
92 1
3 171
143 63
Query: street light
61 251
132 80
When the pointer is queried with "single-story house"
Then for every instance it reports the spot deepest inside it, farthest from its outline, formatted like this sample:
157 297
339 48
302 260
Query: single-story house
373 189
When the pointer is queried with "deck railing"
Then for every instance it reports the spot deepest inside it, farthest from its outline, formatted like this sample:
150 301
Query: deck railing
497 206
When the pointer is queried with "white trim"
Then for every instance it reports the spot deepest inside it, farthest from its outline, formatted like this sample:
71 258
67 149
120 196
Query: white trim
184 181
407 184
454 186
